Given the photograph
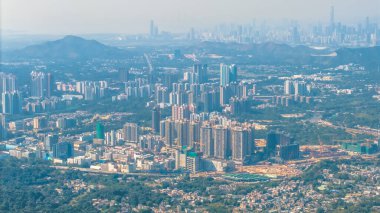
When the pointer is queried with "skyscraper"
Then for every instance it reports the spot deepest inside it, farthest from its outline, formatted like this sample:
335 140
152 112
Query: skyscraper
162 128
124 75
99 131
288 87
40 123
300 88
182 129
206 141
282 146
151 28
3 127
180 112
110 138
38 84
50 141
11 102
228 74
225 94
156 119
7 82
194 128
332 18
169 133
242 143
6 102
221 141
233 73
50 84
130 132
207 101
200 71
288 151
63 150
224 75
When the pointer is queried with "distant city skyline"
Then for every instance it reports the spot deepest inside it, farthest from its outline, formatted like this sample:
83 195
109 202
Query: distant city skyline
133 17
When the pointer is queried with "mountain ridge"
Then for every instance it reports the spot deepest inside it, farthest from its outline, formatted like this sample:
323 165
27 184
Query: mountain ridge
69 47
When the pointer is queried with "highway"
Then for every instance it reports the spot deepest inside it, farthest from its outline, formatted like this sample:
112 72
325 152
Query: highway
363 131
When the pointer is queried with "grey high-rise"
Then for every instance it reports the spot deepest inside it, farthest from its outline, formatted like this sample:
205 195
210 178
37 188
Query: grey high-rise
156 119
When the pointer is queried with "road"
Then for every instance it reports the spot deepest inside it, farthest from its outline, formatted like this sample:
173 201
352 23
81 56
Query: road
362 131
149 62
106 172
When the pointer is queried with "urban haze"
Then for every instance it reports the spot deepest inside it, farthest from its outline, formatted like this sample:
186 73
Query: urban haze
189 106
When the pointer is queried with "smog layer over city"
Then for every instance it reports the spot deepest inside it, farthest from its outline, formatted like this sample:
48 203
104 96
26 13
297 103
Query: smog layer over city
190 106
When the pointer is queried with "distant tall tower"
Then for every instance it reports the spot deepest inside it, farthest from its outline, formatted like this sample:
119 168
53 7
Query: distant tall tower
152 28
332 17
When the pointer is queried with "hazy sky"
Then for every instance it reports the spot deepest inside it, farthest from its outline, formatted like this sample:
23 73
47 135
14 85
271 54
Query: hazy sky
132 16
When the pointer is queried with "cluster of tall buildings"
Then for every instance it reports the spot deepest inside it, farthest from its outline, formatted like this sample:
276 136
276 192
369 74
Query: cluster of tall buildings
7 82
214 137
44 105
138 88
294 92
333 33
42 86
131 133
56 149
198 75
235 142
91 90
201 95
281 146
11 99
11 102
297 88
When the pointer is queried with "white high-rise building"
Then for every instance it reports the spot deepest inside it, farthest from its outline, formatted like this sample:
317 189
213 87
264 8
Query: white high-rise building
38 84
